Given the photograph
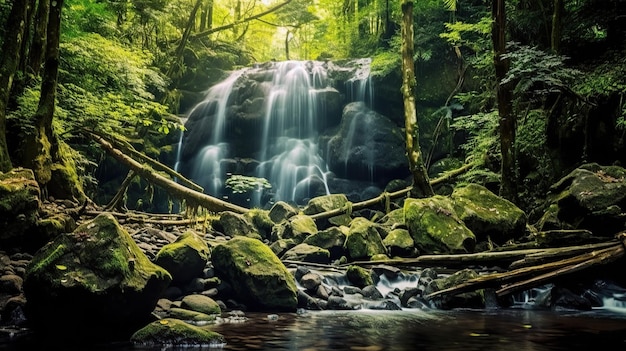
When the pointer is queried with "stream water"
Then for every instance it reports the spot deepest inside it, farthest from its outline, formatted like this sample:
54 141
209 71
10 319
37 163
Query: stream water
366 330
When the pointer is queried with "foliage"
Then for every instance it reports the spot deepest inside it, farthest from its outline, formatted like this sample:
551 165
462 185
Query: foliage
605 78
536 73
240 184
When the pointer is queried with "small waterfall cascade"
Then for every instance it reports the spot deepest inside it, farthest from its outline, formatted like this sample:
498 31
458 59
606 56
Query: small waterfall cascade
265 121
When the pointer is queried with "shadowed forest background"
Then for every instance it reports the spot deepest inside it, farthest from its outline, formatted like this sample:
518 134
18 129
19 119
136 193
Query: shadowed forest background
127 69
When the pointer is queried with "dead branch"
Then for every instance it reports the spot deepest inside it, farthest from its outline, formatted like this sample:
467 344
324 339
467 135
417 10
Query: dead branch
193 198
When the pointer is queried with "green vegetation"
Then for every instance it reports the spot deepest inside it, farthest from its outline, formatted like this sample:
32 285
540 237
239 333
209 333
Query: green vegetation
126 69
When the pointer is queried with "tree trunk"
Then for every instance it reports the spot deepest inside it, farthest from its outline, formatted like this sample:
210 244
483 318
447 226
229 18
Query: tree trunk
557 18
508 183
39 146
9 60
287 45
421 185
36 54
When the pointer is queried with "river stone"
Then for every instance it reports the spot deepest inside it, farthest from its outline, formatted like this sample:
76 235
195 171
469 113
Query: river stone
435 226
185 314
331 239
19 203
399 243
307 253
488 215
170 332
298 228
185 258
93 279
200 303
257 276
281 211
280 246
234 224
359 276
363 240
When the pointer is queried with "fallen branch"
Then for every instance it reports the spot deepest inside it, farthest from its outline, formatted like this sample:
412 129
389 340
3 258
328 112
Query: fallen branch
193 198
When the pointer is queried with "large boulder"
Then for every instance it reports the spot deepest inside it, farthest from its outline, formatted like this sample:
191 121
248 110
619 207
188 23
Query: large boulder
91 280
233 224
591 197
435 226
298 228
331 239
488 215
326 203
185 258
258 277
307 253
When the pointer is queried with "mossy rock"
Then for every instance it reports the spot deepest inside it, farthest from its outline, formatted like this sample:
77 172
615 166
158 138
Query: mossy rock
487 215
201 303
307 253
261 221
298 228
185 258
235 224
98 265
19 203
258 277
328 203
435 226
359 276
400 243
174 332
331 239
592 197
281 211
474 299
363 240
190 315
279 247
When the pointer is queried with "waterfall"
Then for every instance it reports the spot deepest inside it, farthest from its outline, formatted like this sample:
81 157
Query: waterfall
265 121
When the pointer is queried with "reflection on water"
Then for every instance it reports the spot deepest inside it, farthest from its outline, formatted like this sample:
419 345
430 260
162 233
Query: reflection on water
431 330
363 330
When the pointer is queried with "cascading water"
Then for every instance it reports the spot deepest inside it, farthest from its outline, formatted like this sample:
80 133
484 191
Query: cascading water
265 121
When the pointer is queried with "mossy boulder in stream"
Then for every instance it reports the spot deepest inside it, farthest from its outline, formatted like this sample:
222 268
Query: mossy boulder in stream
488 215
258 277
92 284
170 332
297 227
363 240
185 258
435 226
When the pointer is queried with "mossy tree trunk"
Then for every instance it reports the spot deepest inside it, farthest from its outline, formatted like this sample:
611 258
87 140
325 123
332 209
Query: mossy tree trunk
41 150
36 53
557 20
421 184
508 183
9 60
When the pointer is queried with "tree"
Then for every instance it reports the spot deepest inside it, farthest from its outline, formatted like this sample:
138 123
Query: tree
508 173
421 184
9 61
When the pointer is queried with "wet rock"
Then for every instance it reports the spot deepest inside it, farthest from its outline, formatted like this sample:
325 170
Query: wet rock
256 274
174 332
19 204
307 253
385 305
280 246
435 226
311 281
200 303
298 228
339 303
363 240
472 299
331 239
487 215
328 203
185 258
100 266
281 211
359 277
234 224
371 292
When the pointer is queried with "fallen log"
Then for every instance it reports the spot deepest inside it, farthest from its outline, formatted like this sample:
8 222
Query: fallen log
540 274
193 198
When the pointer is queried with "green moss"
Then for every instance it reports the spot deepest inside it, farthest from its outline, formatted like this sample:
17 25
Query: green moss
359 276
170 331
50 254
